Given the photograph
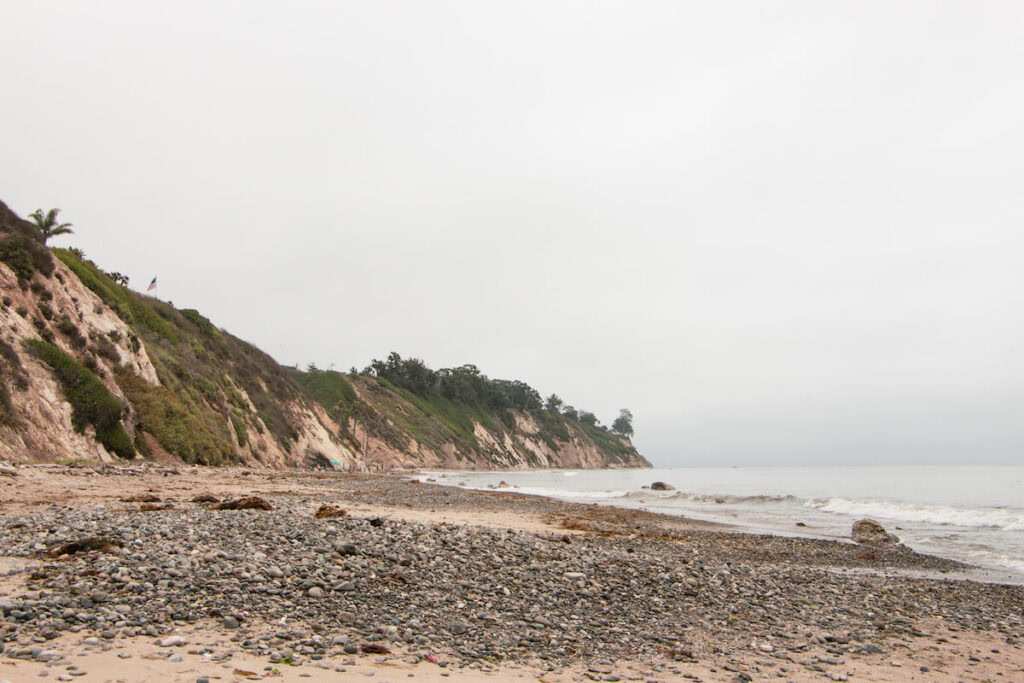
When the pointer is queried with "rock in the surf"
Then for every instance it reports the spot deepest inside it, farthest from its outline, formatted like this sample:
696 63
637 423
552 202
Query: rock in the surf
662 486
870 532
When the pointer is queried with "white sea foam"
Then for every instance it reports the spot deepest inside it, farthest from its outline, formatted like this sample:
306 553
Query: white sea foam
725 498
555 493
973 514
1000 518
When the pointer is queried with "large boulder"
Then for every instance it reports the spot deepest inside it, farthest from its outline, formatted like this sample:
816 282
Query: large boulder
870 532
662 486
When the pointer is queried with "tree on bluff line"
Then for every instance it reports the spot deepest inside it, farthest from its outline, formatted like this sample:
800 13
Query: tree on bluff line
623 423
47 224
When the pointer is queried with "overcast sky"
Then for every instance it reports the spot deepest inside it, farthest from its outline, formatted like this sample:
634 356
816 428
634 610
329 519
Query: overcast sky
780 233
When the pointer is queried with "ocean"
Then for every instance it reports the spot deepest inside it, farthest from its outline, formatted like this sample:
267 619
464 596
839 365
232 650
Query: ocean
974 514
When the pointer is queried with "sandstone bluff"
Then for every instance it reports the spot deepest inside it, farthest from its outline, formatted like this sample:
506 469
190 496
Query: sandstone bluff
92 370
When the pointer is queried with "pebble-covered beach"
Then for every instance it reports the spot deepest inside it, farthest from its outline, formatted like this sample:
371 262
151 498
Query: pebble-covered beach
578 592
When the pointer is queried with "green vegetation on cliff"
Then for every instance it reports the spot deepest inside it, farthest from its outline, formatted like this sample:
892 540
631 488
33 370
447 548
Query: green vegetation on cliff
402 400
198 412
91 402
220 399
10 369
175 422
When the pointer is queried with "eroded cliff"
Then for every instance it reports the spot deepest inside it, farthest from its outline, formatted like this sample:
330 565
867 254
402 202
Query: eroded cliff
92 370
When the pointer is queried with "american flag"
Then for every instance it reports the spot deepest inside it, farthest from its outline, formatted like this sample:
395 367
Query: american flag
152 286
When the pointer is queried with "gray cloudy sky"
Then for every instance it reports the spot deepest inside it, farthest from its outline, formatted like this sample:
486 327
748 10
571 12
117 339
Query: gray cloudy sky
778 232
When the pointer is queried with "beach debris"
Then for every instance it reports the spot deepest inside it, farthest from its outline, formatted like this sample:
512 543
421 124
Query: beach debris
329 512
871 532
662 486
142 498
576 524
150 507
249 503
84 545
345 548
377 521
8 471
680 653
206 498
171 641
375 649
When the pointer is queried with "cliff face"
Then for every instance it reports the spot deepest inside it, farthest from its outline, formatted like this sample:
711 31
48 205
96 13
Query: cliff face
392 428
225 424
92 370
39 424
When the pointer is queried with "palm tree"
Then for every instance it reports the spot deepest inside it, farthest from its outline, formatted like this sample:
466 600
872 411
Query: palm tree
47 224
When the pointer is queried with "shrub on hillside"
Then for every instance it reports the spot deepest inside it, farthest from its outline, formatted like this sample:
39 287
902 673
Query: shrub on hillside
240 433
68 328
29 242
40 290
103 347
7 415
17 257
200 321
176 426
10 369
42 329
91 402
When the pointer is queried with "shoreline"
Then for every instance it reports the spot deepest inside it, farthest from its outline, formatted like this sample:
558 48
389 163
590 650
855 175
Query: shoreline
493 583
775 513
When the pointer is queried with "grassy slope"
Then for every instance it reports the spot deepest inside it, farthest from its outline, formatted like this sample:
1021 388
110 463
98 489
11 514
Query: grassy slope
198 414
397 415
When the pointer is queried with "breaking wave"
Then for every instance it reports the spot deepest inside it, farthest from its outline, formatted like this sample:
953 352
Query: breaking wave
713 498
554 493
644 495
1007 519
744 500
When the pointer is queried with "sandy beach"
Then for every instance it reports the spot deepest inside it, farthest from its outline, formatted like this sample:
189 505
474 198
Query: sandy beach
430 582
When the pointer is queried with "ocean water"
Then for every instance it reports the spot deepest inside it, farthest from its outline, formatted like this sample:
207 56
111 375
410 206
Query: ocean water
974 514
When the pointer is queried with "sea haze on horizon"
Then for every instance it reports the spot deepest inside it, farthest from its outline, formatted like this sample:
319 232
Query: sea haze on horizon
779 233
